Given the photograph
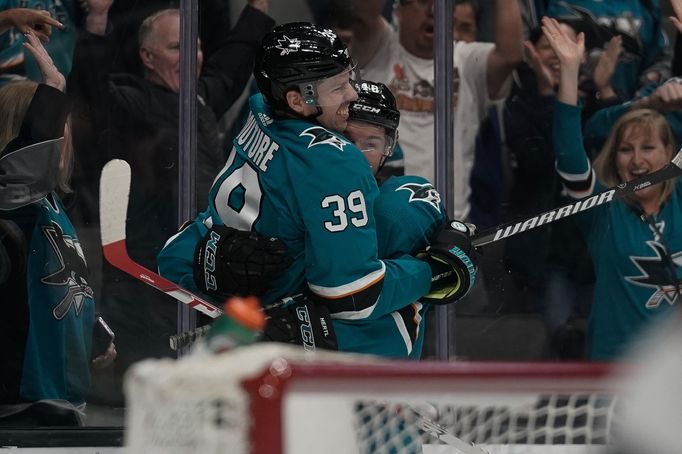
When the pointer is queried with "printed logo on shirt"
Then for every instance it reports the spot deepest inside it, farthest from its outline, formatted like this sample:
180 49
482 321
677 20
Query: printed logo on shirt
322 136
70 272
417 96
425 193
657 274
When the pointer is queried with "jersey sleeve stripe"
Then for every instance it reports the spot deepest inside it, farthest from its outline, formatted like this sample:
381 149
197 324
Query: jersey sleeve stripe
346 290
402 329
355 306
576 177
578 186
354 315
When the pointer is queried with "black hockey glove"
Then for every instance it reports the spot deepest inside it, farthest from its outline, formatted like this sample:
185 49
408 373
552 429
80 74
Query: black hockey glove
230 262
453 268
301 322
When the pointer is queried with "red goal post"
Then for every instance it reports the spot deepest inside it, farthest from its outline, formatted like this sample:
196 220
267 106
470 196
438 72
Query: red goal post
274 399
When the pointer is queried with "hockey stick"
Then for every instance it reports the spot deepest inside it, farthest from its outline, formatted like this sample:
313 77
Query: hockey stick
434 429
187 338
508 229
178 341
420 417
114 190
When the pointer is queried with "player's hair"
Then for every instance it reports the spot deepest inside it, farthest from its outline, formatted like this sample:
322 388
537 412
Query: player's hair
147 27
647 122
15 98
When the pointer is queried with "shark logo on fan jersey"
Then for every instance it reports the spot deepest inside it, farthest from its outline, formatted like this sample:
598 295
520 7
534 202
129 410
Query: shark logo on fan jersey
422 193
287 45
71 273
657 273
322 136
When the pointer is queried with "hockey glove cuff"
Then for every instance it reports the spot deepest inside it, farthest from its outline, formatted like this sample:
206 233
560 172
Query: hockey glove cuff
234 262
452 262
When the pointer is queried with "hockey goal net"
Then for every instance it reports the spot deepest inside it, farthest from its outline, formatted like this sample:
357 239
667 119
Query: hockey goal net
274 399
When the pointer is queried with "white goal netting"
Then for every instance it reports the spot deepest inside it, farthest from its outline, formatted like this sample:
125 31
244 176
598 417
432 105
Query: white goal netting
270 398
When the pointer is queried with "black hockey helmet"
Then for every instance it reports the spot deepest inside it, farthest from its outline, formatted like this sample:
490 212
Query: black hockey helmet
296 55
376 104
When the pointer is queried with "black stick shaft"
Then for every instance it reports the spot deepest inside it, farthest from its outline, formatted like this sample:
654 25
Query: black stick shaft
508 229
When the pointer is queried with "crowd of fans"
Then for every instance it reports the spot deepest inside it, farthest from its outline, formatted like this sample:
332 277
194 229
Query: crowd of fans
535 111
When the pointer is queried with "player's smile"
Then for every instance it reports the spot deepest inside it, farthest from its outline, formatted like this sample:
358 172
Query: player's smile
343 111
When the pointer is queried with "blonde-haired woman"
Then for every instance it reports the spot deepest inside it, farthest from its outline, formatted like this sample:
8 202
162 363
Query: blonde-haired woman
48 307
635 244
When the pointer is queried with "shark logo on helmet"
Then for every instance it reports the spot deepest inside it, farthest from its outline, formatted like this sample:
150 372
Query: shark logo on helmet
287 45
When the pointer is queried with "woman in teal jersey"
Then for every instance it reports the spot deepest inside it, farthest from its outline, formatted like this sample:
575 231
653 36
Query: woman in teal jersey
635 244
48 306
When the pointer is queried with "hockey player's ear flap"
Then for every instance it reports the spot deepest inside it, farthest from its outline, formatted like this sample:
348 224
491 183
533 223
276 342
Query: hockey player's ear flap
235 262
453 263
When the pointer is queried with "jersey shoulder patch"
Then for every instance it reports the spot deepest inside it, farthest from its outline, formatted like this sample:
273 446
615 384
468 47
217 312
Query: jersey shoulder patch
421 193
321 136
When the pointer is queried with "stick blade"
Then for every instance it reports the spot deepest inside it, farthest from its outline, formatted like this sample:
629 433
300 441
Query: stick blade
114 190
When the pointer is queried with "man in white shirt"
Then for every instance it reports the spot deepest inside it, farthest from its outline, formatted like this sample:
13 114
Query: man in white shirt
403 60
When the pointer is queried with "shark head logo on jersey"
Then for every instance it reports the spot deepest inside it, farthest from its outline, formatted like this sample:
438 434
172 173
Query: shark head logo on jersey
422 193
287 45
71 272
322 136
657 273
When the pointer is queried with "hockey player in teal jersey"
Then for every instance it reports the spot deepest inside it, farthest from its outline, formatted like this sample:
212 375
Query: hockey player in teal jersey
408 210
292 176
636 244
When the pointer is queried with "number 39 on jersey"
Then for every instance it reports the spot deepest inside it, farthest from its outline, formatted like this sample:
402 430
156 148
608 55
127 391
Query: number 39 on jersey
345 210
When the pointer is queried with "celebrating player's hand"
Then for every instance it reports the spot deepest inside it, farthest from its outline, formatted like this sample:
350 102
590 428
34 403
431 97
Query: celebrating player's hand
236 262
452 260
50 73
570 53
26 19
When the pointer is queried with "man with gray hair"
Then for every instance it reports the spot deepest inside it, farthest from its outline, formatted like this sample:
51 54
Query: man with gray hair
123 115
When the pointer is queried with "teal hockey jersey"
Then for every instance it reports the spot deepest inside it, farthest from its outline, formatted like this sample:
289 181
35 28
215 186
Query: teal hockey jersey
633 273
314 190
408 213
49 310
